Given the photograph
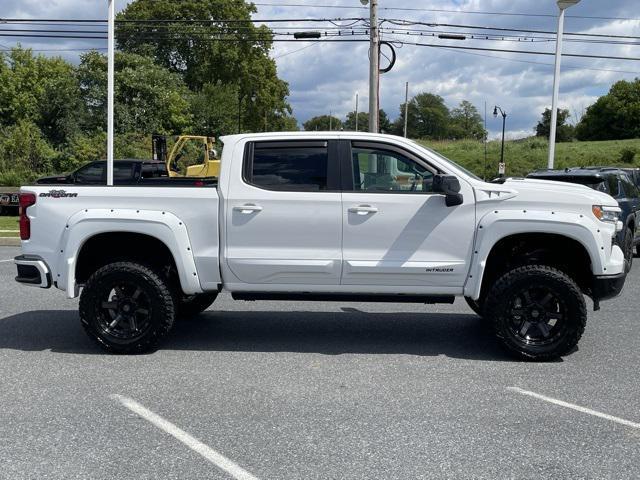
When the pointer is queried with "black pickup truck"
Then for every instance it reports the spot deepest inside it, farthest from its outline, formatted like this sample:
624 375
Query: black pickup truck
125 172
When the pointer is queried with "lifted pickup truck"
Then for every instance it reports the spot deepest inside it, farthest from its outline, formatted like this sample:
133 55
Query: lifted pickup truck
331 216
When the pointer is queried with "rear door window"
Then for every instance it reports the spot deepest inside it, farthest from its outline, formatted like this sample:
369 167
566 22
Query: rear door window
295 166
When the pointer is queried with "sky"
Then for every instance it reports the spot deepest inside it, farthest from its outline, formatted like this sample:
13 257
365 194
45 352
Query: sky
324 77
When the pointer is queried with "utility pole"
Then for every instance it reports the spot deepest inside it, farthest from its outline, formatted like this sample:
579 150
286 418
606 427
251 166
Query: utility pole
110 88
406 109
356 111
486 134
374 68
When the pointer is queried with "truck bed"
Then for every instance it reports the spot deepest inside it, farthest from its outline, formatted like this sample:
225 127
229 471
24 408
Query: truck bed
183 213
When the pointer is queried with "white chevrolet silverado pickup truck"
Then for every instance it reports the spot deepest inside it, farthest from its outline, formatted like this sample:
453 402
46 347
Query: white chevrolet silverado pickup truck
332 216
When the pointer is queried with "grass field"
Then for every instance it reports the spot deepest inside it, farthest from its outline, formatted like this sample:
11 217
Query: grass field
524 156
9 223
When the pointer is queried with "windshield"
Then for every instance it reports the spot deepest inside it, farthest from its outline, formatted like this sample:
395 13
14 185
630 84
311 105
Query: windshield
455 164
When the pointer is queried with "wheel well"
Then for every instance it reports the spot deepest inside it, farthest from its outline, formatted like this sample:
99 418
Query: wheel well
110 247
558 251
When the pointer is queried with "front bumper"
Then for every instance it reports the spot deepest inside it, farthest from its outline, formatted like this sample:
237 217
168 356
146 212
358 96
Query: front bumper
607 287
33 271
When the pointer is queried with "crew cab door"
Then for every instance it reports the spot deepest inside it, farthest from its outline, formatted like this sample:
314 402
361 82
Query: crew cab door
397 231
283 215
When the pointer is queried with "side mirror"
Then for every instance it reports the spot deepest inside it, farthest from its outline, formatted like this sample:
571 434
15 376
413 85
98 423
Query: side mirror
449 186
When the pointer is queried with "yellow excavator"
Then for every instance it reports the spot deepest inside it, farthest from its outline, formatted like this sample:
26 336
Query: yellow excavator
190 155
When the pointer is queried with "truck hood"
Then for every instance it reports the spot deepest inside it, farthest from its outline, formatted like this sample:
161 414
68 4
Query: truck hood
546 193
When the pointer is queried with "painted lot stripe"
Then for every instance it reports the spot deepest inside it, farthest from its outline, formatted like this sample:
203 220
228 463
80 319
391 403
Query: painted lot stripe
219 460
7 260
577 408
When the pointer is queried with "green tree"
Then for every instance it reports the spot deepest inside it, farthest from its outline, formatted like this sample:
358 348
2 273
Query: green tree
564 131
24 150
148 98
363 122
466 122
215 109
428 117
323 123
210 41
41 90
615 116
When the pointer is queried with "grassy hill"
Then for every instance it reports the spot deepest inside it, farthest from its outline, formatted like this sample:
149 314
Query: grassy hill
524 156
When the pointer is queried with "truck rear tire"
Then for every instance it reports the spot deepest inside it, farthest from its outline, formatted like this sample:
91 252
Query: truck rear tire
537 312
127 308
191 305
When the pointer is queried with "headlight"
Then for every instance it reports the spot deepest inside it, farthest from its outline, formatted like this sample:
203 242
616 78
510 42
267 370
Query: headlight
606 214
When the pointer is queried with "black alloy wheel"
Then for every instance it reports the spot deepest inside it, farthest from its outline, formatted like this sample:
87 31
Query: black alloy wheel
536 316
126 311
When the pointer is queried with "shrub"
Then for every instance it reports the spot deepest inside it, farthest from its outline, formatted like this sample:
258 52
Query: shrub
627 155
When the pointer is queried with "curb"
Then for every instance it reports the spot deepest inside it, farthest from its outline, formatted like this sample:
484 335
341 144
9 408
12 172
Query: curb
9 242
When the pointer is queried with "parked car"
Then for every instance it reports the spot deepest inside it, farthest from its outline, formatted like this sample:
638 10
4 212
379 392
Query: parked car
617 183
333 216
127 171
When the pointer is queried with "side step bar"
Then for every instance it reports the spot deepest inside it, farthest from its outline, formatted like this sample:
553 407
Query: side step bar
342 297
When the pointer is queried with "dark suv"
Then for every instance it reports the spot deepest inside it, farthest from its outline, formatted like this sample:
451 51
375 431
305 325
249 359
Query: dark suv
128 171
617 183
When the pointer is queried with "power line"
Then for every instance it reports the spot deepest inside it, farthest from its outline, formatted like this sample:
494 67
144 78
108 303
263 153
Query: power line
575 55
442 10
402 22
572 67
165 20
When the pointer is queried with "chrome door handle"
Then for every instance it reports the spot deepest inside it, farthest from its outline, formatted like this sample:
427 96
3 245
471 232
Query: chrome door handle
363 209
248 208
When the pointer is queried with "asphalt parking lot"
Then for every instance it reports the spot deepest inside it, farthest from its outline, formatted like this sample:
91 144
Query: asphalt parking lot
285 390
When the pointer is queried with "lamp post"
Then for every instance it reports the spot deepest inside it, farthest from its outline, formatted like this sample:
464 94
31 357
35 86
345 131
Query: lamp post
504 122
562 5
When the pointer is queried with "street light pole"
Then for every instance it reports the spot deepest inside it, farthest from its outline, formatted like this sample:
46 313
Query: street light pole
504 122
562 5
110 88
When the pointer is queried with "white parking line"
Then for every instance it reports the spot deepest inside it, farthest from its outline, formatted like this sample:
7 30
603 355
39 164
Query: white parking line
577 408
219 460
8 260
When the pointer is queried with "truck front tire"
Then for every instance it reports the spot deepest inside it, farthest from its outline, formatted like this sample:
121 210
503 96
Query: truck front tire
127 308
537 312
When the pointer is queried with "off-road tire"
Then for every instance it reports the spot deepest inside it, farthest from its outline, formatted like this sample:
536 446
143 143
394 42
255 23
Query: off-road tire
191 305
501 310
476 305
158 305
